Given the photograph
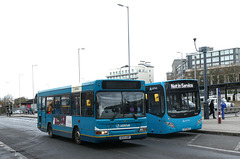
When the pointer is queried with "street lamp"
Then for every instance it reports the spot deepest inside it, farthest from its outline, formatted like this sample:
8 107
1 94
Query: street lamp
128 38
204 50
181 62
79 61
33 83
20 90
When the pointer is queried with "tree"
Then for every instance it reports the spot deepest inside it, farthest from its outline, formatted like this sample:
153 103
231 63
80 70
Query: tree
7 100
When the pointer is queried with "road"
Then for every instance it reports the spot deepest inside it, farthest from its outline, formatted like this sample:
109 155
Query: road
22 135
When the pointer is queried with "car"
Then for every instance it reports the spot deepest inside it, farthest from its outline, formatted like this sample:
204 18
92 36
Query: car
17 112
223 100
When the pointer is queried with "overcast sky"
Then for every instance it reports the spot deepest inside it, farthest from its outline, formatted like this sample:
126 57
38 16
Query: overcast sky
48 33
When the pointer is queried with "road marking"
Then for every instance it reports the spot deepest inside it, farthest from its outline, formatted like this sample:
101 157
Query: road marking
237 147
190 142
11 151
212 148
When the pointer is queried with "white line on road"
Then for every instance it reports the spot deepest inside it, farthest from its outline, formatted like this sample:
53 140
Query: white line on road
237 147
190 142
10 151
212 148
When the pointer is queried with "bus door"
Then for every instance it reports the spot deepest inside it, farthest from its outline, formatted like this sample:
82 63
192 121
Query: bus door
155 109
43 112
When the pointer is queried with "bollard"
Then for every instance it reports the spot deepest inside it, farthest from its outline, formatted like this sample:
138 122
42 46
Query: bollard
236 112
219 117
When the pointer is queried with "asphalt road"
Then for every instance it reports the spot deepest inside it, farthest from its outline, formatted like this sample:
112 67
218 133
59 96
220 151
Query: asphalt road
22 135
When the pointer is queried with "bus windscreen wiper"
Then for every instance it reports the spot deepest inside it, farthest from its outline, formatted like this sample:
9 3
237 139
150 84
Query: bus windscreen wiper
114 116
134 116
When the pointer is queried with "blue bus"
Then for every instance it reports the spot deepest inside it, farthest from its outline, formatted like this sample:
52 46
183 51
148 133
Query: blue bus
173 106
98 111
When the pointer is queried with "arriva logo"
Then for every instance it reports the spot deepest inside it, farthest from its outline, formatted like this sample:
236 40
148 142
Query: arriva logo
185 120
122 125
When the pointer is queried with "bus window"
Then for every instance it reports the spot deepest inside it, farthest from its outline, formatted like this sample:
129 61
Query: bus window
56 107
75 107
87 104
39 103
65 104
49 105
43 104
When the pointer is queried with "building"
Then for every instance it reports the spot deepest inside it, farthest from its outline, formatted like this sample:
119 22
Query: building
214 58
144 71
178 69
223 66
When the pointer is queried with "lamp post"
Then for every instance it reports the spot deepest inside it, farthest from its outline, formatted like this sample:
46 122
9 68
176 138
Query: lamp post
128 38
20 90
204 51
181 62
79 61
33 83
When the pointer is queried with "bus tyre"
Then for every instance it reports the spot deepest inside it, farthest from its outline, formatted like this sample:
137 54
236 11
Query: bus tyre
77 136
50 131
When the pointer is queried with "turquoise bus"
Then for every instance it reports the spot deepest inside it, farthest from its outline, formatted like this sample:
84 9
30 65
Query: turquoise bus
173 106
98 111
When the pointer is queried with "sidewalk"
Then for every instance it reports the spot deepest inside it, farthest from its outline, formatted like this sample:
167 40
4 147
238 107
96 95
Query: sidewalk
229 126
25 115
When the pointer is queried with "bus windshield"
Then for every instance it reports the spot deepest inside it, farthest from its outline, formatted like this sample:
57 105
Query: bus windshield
183 103
112 105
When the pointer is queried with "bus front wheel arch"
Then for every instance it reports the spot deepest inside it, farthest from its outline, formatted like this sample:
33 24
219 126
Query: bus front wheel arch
77 136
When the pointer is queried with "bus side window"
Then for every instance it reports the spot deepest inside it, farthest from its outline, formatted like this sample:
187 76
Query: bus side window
43 104
75 104
39 103
65 104
49 105
87 104
56 107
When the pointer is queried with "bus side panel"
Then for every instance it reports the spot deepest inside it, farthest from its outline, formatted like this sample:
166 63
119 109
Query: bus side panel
61 124
86 126
155 124
43 123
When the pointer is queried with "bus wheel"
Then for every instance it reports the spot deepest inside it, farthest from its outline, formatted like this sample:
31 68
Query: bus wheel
50 131
77 136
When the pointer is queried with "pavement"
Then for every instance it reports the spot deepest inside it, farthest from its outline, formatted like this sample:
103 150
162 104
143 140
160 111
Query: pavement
229 126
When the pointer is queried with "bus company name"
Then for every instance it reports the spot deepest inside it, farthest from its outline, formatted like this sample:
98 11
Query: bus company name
182 85
122 125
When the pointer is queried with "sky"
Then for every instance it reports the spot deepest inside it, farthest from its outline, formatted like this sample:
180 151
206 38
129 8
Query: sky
48 33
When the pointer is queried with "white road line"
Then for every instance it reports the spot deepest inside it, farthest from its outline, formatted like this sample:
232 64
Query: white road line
212 148
190 142
10 150
237 147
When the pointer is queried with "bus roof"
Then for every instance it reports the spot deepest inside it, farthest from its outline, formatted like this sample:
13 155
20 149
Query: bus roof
85 86
161 82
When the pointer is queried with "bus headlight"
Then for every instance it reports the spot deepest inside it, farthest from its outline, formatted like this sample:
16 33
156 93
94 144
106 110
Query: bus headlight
199 121
142 129
104 132
170 124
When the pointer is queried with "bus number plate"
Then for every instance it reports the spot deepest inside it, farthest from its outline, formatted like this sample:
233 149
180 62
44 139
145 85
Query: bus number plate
186 129
124 137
